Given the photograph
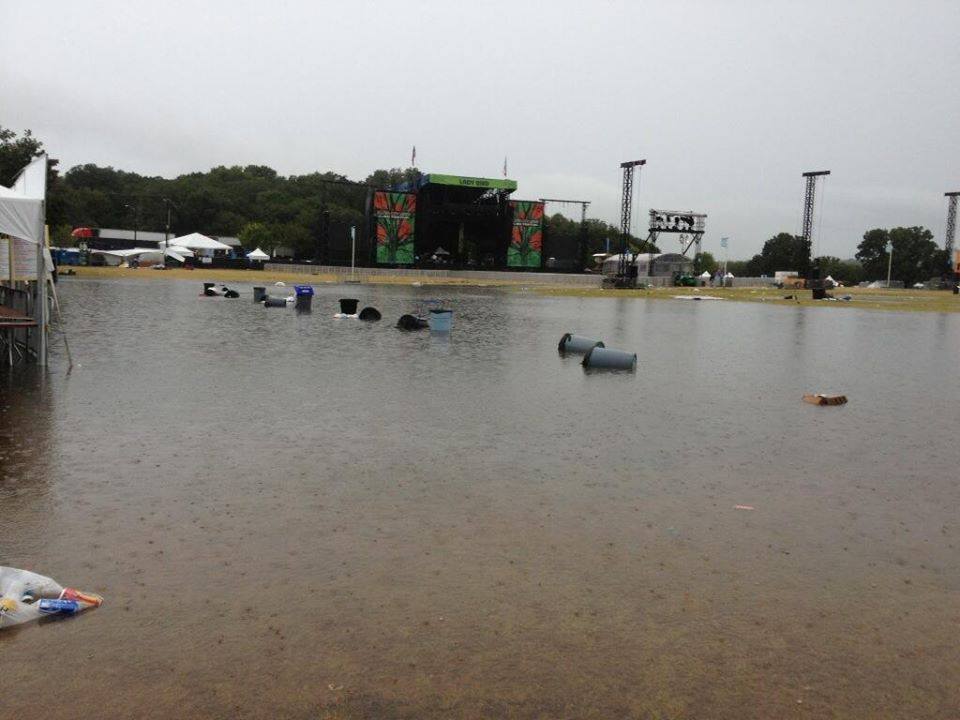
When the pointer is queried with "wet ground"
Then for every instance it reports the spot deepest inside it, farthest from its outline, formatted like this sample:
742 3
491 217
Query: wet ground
297 517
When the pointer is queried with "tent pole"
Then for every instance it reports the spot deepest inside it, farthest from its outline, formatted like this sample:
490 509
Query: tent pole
40 307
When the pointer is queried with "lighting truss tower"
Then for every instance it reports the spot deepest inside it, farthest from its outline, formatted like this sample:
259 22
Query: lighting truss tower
582 250
951 234
809 202
624 275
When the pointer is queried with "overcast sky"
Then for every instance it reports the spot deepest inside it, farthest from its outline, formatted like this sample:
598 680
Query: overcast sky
728 101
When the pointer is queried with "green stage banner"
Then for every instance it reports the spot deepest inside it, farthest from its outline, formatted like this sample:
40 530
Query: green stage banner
395 218
526 242
476 182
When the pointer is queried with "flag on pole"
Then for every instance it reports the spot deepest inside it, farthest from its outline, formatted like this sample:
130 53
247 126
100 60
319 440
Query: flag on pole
504 165
413 157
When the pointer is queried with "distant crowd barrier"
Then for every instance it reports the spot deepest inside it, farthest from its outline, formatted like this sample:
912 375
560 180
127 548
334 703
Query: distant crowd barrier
533 278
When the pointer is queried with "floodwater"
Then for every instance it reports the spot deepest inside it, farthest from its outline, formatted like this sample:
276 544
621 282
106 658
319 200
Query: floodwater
296 517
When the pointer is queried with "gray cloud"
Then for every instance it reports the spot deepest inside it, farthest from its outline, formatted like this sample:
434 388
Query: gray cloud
728 101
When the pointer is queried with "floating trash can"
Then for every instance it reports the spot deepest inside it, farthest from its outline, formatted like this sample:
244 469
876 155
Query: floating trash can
411 322
228 293
577 344
304 297
609 359
274 302
370 314
208 290
440 320
348 306
259 294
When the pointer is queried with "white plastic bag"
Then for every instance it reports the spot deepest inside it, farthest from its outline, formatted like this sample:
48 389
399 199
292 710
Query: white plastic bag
22 596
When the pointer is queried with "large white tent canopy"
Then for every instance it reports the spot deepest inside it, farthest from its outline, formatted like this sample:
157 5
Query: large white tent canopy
177 253
257 254
21 206
196 241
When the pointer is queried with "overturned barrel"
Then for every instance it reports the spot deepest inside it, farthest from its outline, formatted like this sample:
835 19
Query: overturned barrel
411 322
259 294
228 293
609 359
370 314
208 290
274 301
348 306
304 297
570 343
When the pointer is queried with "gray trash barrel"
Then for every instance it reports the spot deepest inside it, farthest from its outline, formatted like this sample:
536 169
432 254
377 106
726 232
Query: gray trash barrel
609 359
348 306
274 302
577 344
259 294
208 290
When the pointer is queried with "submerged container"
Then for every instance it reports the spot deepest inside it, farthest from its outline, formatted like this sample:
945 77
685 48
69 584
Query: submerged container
370 314
274 301
259 294
348 306
440 320
577 344
304 297
609 359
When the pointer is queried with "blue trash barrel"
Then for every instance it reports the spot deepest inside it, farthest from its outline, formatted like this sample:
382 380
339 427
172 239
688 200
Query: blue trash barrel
304 295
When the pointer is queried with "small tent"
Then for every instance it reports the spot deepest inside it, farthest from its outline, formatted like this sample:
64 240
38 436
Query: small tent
257 254
705 275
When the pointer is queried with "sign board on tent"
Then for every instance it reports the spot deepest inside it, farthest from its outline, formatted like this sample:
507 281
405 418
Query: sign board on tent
22 265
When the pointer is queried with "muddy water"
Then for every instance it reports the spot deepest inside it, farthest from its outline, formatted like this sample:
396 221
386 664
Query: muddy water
296 517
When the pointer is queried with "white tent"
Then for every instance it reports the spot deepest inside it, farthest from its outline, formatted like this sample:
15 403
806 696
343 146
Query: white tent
705 275
728 276
257 254
196 241
21 206
177 253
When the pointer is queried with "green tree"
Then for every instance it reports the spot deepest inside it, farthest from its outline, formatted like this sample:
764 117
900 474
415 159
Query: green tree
781 252
849 272
704 262
16 153
916 257
255 235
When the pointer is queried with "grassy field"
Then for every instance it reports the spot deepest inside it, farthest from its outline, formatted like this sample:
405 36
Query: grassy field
264 277
870 299
866 298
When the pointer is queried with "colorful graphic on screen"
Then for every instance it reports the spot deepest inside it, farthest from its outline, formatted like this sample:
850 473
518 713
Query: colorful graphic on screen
395 217
526 241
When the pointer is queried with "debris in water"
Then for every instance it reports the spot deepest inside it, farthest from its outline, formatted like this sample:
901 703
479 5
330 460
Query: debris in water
820 399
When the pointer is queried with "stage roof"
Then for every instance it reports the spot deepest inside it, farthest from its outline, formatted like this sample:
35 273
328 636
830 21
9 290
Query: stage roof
462 181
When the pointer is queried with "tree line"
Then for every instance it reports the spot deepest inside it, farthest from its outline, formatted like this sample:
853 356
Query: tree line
268 210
